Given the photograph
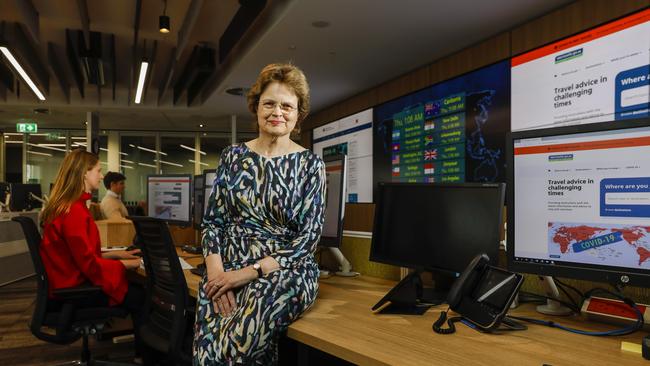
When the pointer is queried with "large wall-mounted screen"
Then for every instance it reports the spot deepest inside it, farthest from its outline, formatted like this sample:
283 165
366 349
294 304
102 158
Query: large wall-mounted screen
351 136
599 75
450 132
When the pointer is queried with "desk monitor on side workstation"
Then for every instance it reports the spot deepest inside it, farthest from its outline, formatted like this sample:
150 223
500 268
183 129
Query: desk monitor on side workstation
332 234
579 203
25 197
433 227
209 175
197 201
169 197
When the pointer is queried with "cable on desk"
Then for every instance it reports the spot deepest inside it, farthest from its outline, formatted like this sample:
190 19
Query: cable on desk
616 332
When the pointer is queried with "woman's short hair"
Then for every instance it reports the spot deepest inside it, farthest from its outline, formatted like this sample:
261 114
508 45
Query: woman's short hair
113 177
288 75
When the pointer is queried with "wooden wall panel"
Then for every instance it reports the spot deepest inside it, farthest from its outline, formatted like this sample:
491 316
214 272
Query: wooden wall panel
359 216
570 19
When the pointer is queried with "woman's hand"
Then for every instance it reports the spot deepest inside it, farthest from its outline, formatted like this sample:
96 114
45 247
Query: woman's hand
225 304
221 282
131 263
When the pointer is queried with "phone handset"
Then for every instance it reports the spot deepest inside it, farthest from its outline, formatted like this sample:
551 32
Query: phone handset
461 286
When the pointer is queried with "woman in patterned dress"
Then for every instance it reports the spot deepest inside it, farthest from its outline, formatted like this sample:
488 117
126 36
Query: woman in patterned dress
261 227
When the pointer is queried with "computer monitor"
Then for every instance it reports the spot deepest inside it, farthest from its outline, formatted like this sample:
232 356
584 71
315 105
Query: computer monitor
198 205
335 179
435 227
209 175
579 202
25 197
169 197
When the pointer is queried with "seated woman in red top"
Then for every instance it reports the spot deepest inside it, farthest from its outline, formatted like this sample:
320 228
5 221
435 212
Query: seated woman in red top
71 249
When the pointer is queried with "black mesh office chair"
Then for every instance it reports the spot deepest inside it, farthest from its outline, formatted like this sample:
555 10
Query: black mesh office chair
66 319
169 319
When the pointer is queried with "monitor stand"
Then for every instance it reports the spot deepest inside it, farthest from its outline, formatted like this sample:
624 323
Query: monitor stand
344 265
410 297
551 307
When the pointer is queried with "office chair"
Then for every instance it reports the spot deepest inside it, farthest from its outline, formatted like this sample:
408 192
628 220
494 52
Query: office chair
65 317
169 313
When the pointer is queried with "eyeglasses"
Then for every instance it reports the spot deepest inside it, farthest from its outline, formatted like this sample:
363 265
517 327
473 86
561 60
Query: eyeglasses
270 105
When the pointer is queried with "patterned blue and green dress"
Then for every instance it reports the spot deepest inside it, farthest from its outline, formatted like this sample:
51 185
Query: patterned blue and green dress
260 207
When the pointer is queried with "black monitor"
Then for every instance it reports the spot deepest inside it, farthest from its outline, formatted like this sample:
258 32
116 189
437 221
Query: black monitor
335 179
209 175
169 197
198 206
435 227
25 197
579 202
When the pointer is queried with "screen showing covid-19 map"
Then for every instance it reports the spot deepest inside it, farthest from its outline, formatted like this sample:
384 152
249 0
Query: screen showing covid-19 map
584 198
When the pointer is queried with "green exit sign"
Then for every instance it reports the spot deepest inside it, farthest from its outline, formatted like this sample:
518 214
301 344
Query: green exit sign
26 127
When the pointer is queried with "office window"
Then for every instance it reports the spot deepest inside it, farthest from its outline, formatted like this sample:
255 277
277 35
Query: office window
45 153
177 154
137 164
212 145
78 141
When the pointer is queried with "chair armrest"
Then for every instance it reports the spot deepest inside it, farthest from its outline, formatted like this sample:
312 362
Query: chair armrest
74 293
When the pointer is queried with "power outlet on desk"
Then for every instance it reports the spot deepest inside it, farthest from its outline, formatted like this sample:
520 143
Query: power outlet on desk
614 311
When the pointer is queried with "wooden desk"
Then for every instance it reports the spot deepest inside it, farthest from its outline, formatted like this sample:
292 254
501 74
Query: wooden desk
340 323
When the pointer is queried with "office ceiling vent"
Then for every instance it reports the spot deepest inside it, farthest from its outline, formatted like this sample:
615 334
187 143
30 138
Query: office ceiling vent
91 58
197 71
247 13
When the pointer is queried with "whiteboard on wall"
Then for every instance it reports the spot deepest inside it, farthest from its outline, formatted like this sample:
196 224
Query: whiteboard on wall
351 136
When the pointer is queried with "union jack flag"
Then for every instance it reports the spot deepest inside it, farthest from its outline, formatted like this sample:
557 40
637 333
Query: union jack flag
431 154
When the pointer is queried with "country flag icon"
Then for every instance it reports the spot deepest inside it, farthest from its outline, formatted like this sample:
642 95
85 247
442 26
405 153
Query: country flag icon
396 135
429 168
432 109
396 171
429 125
395 147
429 179
428 140
395 159
431 154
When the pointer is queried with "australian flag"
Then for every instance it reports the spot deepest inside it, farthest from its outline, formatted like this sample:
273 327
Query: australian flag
432 109
431 154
